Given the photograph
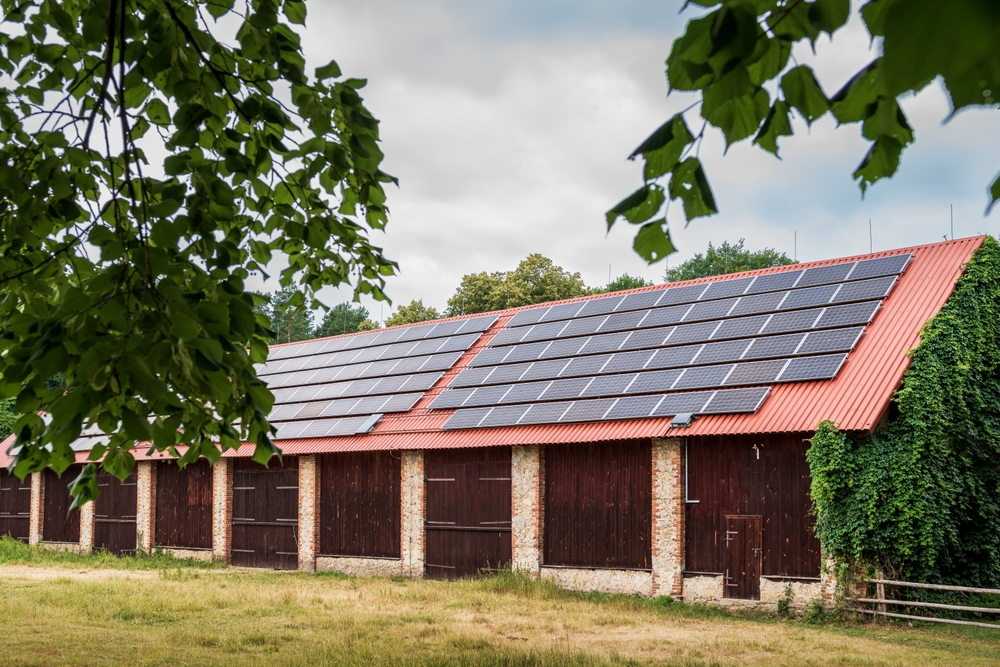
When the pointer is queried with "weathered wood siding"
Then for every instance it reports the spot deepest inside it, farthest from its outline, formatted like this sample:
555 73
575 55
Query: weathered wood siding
360 504
114 514
59 523
727 478
468 511
184 505
266 514
598 505
15 505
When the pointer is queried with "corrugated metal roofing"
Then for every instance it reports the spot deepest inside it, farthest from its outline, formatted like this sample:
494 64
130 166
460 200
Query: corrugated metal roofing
856 399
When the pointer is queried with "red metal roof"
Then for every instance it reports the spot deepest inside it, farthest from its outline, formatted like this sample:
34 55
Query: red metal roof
856 399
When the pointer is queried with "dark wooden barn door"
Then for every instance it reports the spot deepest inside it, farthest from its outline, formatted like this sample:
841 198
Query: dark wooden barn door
15 505
266 514
468 511
59 524
114 514
184 505
359 504
742 577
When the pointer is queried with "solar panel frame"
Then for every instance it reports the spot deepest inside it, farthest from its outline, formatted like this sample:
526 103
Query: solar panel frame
526 317
466 418
544 370
709 310
774 282
699 377
588 410
881 266
600 306
652 382
821 275
604 343
773 346
726 288
565 388
809 297
737 401
848 314
811 368
624 362
675 404
632 407
450 399
863 290
544 413
755 372
830 340
640 300
506 415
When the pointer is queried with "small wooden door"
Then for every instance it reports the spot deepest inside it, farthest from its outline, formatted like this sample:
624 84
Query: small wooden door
115 513
266 514
468 511
59 523
15 505
742 576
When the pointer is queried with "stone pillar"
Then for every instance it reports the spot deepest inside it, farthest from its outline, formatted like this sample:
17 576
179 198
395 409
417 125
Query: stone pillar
37 515
526 508
308 512
145 515
412 544
87 527
222 509
668 517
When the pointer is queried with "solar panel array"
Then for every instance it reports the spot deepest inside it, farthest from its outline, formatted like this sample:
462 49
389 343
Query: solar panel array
643 354
334 387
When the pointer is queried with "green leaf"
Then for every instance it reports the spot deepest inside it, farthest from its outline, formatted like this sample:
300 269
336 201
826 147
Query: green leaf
829 15
802 92
295 11
331 70
662 149
768 60
652 242
881 161
136 427
690 185
157 113
994 192
873 13
639 206
887 119
855 101
734 106
777 124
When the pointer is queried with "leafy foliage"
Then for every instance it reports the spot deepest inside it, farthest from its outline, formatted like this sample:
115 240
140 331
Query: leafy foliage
622 282
537 279
415 312
127 278
727 258
289 323
342 318
920 498
734 55
8 417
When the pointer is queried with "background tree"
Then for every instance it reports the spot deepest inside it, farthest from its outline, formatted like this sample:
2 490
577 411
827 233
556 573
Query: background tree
289 323
537 279
367 325
736 54
622 282
727 258
342 318
415 312
126 275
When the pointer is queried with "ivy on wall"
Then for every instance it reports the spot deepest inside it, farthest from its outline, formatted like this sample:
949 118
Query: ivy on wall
920 498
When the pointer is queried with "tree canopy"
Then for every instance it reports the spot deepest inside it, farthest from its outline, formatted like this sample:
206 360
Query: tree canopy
622 282
727 258
342 318
536 279
736 54
154 153
412 313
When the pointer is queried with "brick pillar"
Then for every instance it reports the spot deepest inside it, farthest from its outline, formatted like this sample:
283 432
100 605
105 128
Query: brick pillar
413 513
222 509
526 508
87 527
668 517
145 516
308 536
37 514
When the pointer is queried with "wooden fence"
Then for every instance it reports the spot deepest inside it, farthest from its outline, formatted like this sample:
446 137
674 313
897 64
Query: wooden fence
881 603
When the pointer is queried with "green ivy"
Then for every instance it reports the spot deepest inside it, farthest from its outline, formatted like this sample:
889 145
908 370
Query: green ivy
920 498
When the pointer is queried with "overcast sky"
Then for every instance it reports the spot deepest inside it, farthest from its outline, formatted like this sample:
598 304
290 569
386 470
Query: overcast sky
508 125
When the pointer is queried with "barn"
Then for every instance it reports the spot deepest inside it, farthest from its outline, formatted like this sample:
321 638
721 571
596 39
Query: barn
648 442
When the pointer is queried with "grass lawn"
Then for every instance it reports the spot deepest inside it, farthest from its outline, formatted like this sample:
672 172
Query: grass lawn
67 609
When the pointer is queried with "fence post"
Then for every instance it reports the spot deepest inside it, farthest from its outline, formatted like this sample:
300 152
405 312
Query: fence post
880 591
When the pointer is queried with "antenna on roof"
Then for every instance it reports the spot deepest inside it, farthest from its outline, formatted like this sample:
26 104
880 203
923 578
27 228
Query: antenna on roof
870 244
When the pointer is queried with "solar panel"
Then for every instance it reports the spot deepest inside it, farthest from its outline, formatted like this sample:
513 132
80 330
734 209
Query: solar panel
450 398
710 310
506 415
586 365
508 336
623 321
490 356
855 313
883 266
438 362
608 385
446 328
604 343
673 356
569 388
713 353
401 402
805 298
692 333
340 407
488 395
564 348
600 306
379 368
369 405
391 384
426 346
646 338
876 288
526 352
470 377
681 295
543 331
820 275
511 373
756 372
544 413
640 300
283 412
421 382
758 303
737 400
583 326
702 376
463 342
544 370
798 320
813 368
525 393
675 404
773 346
655 381
562 312
832 340
525 317
466 418
740 327
591 410
633 406
661 316
624 362
726 288
774 281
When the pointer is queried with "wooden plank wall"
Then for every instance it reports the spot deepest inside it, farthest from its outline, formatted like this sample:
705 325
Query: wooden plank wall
727 478
59 523
360 504
598 505
15 505
184 505
115 513
266 514
468 511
